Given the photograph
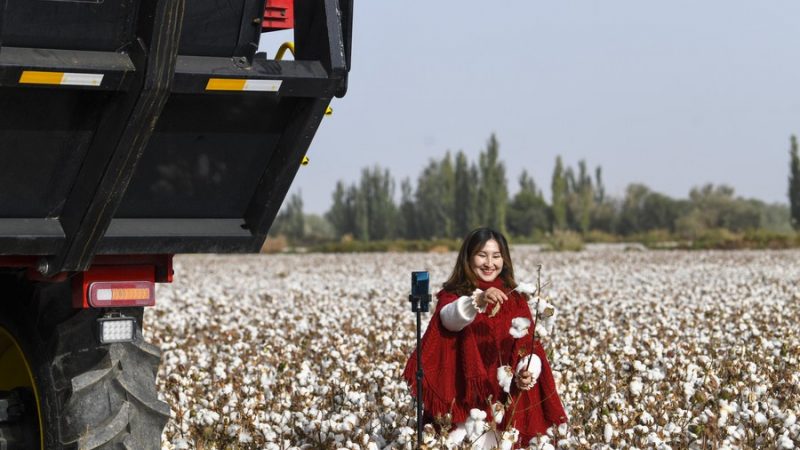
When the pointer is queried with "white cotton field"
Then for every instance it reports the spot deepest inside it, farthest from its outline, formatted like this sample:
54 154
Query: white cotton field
650 349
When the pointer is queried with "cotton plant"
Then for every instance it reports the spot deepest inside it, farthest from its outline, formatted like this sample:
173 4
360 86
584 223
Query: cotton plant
543 312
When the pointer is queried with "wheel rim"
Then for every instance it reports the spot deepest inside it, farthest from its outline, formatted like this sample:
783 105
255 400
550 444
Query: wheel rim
15 372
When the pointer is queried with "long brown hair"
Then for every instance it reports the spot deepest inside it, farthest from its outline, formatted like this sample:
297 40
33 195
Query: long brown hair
463 280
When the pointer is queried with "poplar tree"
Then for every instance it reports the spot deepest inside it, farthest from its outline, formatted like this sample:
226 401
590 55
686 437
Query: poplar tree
492 190
558 187
794 184
464 196
527 211
361 213
447 192
585 197
341 214
408 212
290 222
434 198
377 188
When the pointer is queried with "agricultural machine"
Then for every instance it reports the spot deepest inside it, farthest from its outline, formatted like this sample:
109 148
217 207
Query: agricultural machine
130 131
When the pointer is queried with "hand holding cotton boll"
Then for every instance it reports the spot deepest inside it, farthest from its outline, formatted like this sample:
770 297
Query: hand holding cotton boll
492 296
528 370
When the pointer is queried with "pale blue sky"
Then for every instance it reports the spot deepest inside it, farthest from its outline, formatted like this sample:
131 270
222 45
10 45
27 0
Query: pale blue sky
671 94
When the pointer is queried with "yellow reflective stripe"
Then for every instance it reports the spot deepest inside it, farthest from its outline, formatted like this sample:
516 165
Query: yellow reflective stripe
225 84
36 77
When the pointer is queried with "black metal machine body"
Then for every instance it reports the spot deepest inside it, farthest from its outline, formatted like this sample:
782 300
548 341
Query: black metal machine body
153 126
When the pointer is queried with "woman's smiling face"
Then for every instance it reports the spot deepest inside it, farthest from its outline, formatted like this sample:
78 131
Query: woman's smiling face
487 263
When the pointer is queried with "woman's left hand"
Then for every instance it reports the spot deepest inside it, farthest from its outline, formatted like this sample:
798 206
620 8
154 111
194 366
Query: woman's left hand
524 380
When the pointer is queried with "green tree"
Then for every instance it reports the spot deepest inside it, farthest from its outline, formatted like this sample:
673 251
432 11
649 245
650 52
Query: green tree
465 196
794 184
493 187
558 188
409 228
341 214
632 205
527 211
434 199
600 190
447 180
360 213
290 222
585 194
377 191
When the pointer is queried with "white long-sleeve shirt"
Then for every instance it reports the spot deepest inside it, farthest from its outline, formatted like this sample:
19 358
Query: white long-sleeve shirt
457 315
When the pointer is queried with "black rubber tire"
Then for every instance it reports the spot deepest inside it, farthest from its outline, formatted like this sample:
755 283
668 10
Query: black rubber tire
92 396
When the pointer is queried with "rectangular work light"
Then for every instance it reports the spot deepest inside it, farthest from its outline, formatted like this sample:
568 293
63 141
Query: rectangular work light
116 328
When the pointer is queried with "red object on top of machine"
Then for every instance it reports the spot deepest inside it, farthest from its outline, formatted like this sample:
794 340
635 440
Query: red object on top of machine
278 15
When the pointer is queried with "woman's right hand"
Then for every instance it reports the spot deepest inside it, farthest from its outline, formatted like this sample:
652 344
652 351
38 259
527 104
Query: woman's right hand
490 297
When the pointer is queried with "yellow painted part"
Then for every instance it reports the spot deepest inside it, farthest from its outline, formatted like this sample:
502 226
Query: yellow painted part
36 77
225 84
305 161
329 111
282 50
16 372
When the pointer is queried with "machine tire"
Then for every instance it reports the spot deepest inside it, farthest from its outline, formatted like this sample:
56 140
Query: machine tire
91 396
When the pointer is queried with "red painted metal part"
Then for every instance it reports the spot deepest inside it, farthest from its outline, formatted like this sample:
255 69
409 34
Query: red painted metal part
129 268
278 15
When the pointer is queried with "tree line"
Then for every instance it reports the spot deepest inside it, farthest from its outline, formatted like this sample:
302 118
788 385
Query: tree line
453 195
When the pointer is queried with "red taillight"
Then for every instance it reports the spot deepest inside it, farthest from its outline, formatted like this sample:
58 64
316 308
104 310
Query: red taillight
122 286
110 294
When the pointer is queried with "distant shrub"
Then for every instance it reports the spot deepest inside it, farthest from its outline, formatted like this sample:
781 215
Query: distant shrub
353 246
718 238
597 236
764 239
565 241
276 244
658 238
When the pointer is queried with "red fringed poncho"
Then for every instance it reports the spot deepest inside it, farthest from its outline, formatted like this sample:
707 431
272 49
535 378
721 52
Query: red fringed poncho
460 368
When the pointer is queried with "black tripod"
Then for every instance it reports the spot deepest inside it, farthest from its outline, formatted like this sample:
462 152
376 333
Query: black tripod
420 299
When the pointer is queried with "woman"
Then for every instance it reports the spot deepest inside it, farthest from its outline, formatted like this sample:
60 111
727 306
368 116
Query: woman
476 349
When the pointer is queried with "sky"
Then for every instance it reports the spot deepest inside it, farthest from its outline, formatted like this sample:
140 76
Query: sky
670 94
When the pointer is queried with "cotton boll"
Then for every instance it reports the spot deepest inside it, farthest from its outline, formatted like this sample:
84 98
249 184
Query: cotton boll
498 411
608 433
636 387
526 288
509 439
457 436
504 377
519 327
785 442
475 424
